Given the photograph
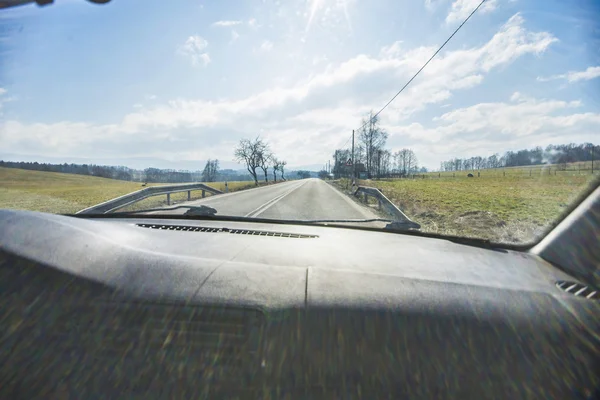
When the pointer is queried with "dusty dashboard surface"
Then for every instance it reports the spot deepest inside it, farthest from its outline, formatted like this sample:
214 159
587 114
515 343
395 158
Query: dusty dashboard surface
97 309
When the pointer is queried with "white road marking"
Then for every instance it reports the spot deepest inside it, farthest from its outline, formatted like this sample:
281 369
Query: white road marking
270 203
224 195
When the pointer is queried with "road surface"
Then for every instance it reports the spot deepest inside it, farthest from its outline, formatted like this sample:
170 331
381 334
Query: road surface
306 199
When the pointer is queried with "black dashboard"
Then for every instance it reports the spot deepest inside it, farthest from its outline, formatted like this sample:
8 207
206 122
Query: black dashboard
162 308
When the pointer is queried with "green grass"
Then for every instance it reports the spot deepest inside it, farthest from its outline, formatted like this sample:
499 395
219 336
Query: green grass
68 193
515 208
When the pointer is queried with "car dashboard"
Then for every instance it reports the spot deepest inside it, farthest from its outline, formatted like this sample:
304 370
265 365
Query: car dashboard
163 308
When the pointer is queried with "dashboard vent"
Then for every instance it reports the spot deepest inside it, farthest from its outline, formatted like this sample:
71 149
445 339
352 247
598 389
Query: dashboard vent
578 289
188 228
208 335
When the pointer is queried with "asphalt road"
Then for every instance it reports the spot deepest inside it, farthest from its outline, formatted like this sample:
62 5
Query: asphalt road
307 199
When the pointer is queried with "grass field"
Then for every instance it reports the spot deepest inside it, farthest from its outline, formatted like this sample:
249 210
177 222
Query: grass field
571 169
514 208
68 193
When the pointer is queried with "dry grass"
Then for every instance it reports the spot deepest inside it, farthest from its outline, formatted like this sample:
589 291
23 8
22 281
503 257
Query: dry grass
534 171
514 209
68 193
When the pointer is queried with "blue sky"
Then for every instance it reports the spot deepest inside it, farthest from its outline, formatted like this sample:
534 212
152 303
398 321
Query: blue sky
182 81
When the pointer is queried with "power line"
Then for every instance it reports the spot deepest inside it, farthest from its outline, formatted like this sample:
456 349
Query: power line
423 67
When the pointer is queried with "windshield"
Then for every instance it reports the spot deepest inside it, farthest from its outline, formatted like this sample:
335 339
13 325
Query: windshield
477 119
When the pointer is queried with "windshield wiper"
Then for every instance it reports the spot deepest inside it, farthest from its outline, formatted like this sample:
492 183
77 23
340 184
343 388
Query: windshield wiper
191 210
392 225
205 211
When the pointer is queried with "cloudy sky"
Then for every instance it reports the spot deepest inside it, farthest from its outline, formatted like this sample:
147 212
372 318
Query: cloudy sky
185 80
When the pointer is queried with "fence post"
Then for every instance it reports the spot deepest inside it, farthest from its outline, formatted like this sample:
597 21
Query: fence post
189 195
453 175
439 175
503 173
226 188
379 206
529 171
365 197
203 193
168 199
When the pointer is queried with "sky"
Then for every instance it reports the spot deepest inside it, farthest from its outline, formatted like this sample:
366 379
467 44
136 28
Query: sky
174 83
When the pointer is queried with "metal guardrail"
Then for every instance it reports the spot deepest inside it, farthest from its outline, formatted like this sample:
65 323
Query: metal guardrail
134 197
401 220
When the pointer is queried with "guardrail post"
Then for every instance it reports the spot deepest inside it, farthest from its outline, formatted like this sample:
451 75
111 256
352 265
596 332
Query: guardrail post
203 193
189 195
168 199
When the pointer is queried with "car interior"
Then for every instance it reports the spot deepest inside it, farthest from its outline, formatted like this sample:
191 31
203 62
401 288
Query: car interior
104 306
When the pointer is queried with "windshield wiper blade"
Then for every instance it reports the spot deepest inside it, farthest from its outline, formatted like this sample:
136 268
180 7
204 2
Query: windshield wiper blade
392 225
191 210
205 211
343 221
402 226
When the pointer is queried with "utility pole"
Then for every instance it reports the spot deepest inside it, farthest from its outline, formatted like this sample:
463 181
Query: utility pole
354 162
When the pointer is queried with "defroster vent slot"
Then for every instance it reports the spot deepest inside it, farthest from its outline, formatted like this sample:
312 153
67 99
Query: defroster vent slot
190 228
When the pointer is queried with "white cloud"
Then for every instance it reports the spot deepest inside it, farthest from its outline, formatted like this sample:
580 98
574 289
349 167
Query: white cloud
431 5
252 23
460 9
267 45
324 107
226 23
574 76
234 36
487 128
194 48
4 99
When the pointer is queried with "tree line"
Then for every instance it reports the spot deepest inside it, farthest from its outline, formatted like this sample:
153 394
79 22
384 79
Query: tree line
256 154
211 172
560 155
371 158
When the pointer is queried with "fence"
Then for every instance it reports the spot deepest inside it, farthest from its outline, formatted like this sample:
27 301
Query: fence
125 200
532 172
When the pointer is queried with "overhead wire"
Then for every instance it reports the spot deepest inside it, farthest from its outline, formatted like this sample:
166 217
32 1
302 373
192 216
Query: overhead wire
420 69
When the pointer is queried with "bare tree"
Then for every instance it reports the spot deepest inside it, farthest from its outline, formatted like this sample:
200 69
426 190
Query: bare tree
385 162
251 153
276 165
209 174
282 164
264 160
372 138
405 161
